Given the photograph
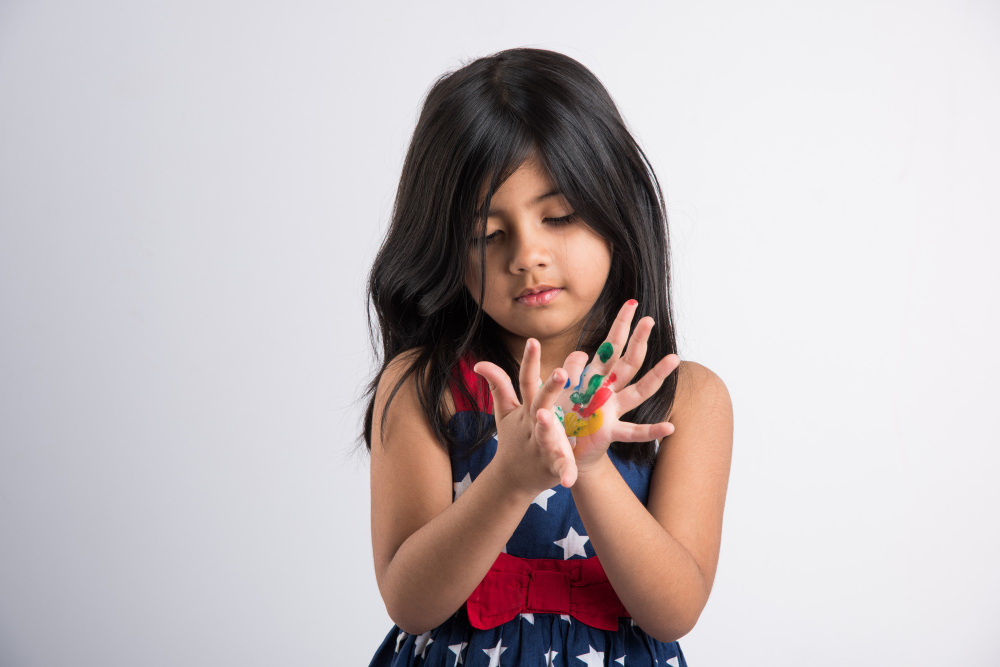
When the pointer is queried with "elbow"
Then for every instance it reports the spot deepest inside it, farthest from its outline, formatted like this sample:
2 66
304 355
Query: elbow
413 624
411 619
412 628
668 632
410 622
410 608
670 625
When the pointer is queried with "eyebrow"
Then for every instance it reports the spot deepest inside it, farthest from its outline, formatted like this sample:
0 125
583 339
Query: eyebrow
538 200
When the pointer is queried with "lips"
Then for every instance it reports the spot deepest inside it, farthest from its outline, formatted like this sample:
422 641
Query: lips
540 295
535 290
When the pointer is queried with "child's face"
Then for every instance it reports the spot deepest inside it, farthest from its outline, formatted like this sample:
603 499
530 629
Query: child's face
530 249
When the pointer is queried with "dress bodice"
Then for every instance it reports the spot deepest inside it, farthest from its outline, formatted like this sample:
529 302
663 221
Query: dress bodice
550 529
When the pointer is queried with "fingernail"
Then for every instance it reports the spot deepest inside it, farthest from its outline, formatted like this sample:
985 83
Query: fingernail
632 302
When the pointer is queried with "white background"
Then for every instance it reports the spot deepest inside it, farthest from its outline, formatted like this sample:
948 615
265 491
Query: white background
191 194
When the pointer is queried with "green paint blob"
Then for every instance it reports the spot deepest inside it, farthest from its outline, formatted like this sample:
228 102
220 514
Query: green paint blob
582 398
559 413
605 351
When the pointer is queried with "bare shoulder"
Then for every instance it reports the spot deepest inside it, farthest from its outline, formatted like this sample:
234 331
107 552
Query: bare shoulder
392 384
691 476
399 367
702 391
410 469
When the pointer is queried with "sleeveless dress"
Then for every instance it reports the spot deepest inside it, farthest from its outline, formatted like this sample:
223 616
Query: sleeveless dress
550 529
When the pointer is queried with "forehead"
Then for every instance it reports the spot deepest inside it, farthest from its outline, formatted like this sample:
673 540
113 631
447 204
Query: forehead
527 178
529 185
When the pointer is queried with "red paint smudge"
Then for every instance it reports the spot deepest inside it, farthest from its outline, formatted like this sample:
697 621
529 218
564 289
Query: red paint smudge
601 397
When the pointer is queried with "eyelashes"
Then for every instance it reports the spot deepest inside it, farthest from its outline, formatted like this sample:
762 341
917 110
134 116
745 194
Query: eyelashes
554 222
558 222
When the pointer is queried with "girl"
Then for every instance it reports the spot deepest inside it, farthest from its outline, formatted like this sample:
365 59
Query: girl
528 522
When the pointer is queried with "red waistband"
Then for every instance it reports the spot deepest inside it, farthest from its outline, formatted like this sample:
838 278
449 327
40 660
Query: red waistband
515 586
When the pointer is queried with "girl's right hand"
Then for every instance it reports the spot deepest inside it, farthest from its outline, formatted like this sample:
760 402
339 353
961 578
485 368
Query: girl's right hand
533 452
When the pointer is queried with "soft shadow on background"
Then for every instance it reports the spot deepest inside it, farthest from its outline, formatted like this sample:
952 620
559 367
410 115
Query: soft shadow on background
190 198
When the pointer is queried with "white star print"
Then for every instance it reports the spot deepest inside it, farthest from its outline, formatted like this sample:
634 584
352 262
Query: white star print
421 643
550 657
530 618
542 499
457 650
495 653
400 638
621 660
460 487
572 544
593 659
565 617
672 661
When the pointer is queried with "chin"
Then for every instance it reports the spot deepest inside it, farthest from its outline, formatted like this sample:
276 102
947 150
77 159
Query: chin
539 328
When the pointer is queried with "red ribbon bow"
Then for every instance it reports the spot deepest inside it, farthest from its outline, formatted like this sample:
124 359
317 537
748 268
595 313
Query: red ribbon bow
515 586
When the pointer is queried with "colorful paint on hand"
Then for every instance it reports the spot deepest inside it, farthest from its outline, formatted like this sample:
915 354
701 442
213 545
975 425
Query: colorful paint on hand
583 397
585 417
578 426
601 397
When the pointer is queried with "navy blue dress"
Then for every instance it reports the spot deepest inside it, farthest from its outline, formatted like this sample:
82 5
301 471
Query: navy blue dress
551 528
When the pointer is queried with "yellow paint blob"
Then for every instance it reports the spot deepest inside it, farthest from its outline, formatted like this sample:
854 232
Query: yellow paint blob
577 427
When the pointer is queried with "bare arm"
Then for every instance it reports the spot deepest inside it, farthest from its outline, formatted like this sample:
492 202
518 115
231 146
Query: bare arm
430 553
662 560
437 567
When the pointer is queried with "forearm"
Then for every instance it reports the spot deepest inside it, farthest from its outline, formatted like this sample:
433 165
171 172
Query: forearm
436 569
654 575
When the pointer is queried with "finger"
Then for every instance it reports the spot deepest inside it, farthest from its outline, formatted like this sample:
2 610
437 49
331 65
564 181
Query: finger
611 349
531 363
549 392
504 398
574 366
551 437
633 395
635 354
597 371
628 432
549 432
567 470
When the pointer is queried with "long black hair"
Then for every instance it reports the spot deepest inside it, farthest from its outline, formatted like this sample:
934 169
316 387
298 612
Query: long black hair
477 126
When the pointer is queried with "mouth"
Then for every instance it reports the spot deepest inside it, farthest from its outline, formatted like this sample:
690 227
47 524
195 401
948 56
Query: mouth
538 296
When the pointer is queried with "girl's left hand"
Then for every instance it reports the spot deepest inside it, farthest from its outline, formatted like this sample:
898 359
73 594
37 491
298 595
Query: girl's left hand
607 393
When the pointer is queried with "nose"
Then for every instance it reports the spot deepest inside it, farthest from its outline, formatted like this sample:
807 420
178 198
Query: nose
528 250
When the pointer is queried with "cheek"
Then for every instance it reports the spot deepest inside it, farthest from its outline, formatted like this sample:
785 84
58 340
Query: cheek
592 259
473 279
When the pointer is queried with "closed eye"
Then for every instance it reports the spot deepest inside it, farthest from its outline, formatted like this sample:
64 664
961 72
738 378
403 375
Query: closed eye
555 222
565 220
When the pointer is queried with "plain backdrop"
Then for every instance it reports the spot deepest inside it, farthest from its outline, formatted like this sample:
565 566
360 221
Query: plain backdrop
191 194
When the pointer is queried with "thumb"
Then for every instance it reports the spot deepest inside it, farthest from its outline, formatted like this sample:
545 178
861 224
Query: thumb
504 398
